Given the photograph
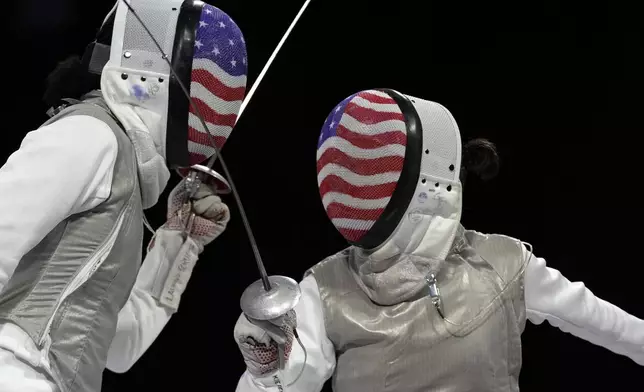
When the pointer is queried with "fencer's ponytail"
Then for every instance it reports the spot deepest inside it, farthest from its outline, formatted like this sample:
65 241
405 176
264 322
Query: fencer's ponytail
70 79
480 158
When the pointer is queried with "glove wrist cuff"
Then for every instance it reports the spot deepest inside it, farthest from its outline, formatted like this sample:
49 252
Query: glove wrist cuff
177 259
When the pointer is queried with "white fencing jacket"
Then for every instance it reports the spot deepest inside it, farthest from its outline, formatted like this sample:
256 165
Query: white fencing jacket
63 169
570 306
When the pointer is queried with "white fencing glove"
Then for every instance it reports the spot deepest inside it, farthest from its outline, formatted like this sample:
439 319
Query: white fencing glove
211 218
258 342
171 254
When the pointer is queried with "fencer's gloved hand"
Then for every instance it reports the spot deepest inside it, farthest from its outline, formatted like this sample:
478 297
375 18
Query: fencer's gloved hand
171 254
258 340
212 215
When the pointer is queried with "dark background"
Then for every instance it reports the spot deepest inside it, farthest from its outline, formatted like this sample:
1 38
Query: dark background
558 87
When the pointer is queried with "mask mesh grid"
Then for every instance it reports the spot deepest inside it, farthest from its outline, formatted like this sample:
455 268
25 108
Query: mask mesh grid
360 157
161 21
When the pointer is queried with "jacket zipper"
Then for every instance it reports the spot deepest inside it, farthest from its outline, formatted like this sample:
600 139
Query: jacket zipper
81 277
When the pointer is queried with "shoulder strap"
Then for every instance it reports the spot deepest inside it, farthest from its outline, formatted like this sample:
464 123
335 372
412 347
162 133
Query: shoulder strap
66 102
88 107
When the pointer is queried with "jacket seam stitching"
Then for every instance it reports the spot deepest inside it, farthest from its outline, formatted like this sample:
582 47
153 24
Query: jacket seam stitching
96 319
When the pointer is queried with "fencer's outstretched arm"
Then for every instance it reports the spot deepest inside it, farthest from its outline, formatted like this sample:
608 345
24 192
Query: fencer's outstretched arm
61 169
320 361
575 309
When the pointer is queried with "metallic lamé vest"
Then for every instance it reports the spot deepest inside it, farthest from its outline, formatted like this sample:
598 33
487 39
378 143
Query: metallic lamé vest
408 347
103 245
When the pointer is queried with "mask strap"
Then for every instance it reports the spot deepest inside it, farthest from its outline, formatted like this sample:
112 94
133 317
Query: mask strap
96 57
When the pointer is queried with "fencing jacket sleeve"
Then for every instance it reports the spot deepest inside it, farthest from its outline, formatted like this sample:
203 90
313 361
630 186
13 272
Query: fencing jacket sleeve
59 170
573 308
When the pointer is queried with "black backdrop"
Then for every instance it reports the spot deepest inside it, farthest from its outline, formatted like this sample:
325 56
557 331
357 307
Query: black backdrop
556 86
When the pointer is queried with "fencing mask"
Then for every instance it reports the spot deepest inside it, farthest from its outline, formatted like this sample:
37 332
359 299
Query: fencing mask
388 172
208 53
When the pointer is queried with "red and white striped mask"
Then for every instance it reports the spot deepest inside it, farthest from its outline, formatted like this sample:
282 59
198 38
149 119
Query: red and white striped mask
383 156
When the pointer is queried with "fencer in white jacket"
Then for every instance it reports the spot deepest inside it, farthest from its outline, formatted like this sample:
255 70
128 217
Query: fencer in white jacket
417 302
64 171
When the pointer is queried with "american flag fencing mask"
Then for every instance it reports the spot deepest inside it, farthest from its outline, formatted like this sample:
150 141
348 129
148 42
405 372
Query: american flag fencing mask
217 81
381 155
360 157
208 53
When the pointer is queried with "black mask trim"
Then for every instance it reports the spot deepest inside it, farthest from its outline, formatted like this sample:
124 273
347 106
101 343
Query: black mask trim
408 181
178 104
97 53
